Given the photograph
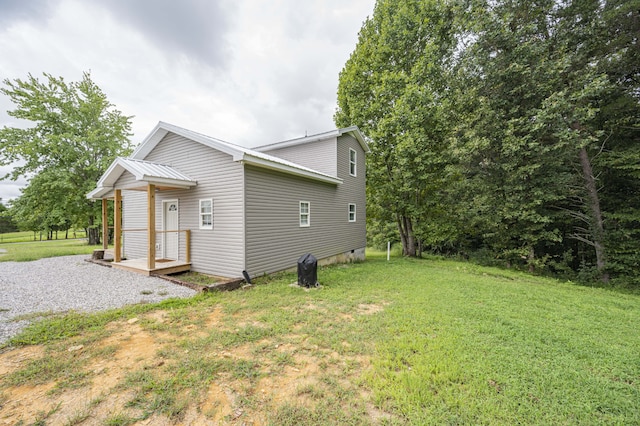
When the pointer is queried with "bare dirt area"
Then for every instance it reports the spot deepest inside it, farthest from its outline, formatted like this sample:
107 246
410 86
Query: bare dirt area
156 369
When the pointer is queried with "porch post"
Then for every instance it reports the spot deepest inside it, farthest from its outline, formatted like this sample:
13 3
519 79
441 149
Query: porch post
151 226
187 234
105 225
117 226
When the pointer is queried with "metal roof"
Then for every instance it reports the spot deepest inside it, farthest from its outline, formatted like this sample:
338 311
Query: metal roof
353 131
144 172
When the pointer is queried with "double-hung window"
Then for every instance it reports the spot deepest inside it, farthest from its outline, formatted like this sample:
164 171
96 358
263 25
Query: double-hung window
352 212
305 213
352 162
206 214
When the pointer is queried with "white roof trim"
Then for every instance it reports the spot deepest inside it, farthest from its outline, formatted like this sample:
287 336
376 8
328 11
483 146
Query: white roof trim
239 153
260 161
143 171
353 131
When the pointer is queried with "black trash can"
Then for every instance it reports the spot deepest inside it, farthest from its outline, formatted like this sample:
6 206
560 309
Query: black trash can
307 271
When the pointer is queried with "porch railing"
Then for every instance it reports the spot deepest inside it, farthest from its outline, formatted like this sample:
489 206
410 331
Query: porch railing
187 241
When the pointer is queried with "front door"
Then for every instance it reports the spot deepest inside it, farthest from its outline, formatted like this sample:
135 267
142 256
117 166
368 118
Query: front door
170 223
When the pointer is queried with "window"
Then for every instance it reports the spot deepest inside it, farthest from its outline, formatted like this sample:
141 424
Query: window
352 212
206 214
305 213
352 162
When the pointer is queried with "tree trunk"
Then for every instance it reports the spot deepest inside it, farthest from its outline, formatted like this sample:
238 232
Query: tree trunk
597 226
93 233
406 235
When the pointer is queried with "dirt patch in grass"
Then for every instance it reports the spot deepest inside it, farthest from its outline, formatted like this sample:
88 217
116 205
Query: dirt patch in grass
369 309
164 368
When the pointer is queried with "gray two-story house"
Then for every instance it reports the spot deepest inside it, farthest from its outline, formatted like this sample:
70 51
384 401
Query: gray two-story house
186 201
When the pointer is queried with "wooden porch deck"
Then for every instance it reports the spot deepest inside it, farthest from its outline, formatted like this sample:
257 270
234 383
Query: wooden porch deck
163 266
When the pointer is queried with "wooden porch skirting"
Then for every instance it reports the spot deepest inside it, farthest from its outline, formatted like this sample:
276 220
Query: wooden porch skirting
163 266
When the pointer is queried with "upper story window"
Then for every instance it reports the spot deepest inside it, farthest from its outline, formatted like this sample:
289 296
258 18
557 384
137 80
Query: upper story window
352 212
206 214
305 213
352 162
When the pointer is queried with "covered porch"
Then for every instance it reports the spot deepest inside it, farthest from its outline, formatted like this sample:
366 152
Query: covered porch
150 178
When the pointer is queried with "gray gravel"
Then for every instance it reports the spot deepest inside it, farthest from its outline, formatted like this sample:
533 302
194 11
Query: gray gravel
60 284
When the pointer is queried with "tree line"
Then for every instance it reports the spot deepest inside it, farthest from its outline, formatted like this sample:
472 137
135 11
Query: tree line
70 135
503 130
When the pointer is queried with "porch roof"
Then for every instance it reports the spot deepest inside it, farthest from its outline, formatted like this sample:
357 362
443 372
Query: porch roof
144 172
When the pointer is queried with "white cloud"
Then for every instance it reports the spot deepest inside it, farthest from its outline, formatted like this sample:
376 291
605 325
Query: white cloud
245 71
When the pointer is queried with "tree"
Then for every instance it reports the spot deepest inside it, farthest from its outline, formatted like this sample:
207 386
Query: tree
393 87
74 134
504 126
6 222
42 206
540 78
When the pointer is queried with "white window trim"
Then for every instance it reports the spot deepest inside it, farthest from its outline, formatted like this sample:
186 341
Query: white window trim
200 214
307 214
354 162
354 212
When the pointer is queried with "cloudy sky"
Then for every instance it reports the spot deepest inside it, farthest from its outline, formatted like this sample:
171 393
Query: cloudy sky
245 71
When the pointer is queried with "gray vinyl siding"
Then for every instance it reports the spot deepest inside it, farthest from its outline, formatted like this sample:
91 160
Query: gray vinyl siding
274 238
320 156
217 251
134 216
353 189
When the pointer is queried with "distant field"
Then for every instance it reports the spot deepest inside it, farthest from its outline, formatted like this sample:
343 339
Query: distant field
27 236
14 247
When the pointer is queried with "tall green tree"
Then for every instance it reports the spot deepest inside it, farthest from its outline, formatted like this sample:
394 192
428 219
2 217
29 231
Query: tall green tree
393 87
6 221
543 75
43 204
73 134
505 126
515 141
617 159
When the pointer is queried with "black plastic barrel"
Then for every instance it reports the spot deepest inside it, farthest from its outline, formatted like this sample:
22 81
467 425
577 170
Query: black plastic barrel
307 271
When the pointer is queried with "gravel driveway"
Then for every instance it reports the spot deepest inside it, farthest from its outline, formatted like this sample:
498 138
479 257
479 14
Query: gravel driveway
59 284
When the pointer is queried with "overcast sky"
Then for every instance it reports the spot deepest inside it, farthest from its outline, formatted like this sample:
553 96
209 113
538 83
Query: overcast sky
245 71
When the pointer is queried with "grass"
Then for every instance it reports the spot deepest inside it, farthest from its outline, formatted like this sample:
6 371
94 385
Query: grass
198 278
27 236
33 250
408 341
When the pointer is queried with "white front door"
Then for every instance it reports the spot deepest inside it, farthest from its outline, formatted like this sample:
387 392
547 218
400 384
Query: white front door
170 223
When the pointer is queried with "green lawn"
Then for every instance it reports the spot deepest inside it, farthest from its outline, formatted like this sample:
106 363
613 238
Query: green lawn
446 343
27 236
33 250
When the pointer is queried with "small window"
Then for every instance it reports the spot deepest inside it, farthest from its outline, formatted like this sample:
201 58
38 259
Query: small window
305 213
352 212
206 214
352 162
